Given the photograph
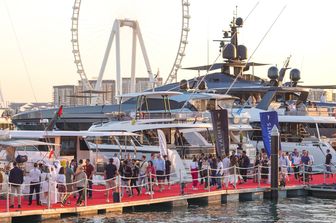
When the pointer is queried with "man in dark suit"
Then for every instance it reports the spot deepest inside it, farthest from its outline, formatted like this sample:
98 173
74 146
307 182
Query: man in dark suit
15 180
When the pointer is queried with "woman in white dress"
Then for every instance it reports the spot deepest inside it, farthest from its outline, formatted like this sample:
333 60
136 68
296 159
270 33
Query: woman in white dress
234 172
53 191
45 176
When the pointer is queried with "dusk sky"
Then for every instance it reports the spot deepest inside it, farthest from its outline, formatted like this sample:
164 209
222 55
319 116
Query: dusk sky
36 39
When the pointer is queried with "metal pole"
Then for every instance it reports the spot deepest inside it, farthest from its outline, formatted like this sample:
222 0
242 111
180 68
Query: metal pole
49 193
209 189
274 162
234 176
85 191
181 186
9 187
304 173
119 187
151 185
324 175
259 175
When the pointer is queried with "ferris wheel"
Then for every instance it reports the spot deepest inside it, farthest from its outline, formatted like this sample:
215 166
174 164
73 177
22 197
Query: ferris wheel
172 77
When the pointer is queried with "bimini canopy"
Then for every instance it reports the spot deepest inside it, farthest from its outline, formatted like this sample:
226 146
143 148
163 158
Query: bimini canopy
202 96
44 134
150 94
20 143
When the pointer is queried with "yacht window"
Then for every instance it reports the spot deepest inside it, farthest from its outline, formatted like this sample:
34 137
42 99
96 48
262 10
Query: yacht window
326 129
225 103
27 148
167 133
256 135
136 141
68 146
83 145
125 141
208 136
149 137
295 132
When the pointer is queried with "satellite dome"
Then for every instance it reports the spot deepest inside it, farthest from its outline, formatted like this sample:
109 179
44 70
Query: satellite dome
239 21
202 86
229 51
242 52
226 34
294 75
273 73
184 85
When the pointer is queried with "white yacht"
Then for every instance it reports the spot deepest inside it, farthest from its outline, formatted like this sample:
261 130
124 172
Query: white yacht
299 129
26 152
194 123
38 146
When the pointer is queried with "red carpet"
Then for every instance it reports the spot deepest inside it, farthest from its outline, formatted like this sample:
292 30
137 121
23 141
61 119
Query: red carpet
100 198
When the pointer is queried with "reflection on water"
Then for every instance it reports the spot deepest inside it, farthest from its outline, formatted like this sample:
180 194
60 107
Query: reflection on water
289 210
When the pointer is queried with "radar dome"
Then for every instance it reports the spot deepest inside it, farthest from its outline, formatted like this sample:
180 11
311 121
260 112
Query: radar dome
184 85
239 21
273 73
229 51
202 86
242 52
294 75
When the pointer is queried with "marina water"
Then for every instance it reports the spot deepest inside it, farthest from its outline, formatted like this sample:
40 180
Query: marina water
300 209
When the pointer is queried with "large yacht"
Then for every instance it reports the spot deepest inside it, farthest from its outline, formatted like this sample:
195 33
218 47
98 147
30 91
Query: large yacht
301 127
234 75
219 78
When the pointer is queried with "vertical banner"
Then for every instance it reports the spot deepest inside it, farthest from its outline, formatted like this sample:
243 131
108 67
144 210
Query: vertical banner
267 121
221 130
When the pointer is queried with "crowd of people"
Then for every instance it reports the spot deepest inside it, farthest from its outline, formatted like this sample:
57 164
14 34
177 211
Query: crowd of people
52 183
140 176
236 168
219 171
132 176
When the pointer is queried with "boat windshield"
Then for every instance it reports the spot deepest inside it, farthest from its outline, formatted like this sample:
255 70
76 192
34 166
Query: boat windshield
327 130
108 140
289 132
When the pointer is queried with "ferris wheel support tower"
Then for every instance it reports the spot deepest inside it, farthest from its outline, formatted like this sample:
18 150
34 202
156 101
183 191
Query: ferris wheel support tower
118 23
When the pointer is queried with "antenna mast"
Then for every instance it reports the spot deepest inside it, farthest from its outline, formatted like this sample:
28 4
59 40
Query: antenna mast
2 101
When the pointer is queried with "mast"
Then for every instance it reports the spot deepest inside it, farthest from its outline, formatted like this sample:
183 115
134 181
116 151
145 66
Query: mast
232 53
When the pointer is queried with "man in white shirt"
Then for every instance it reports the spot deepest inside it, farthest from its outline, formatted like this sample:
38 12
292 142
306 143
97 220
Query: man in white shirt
226 166
116 161
219 173
35 178
296 162
323 97
283 164
311 163
142 178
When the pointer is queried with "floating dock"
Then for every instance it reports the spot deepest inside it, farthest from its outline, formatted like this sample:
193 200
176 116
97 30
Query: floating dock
171 198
